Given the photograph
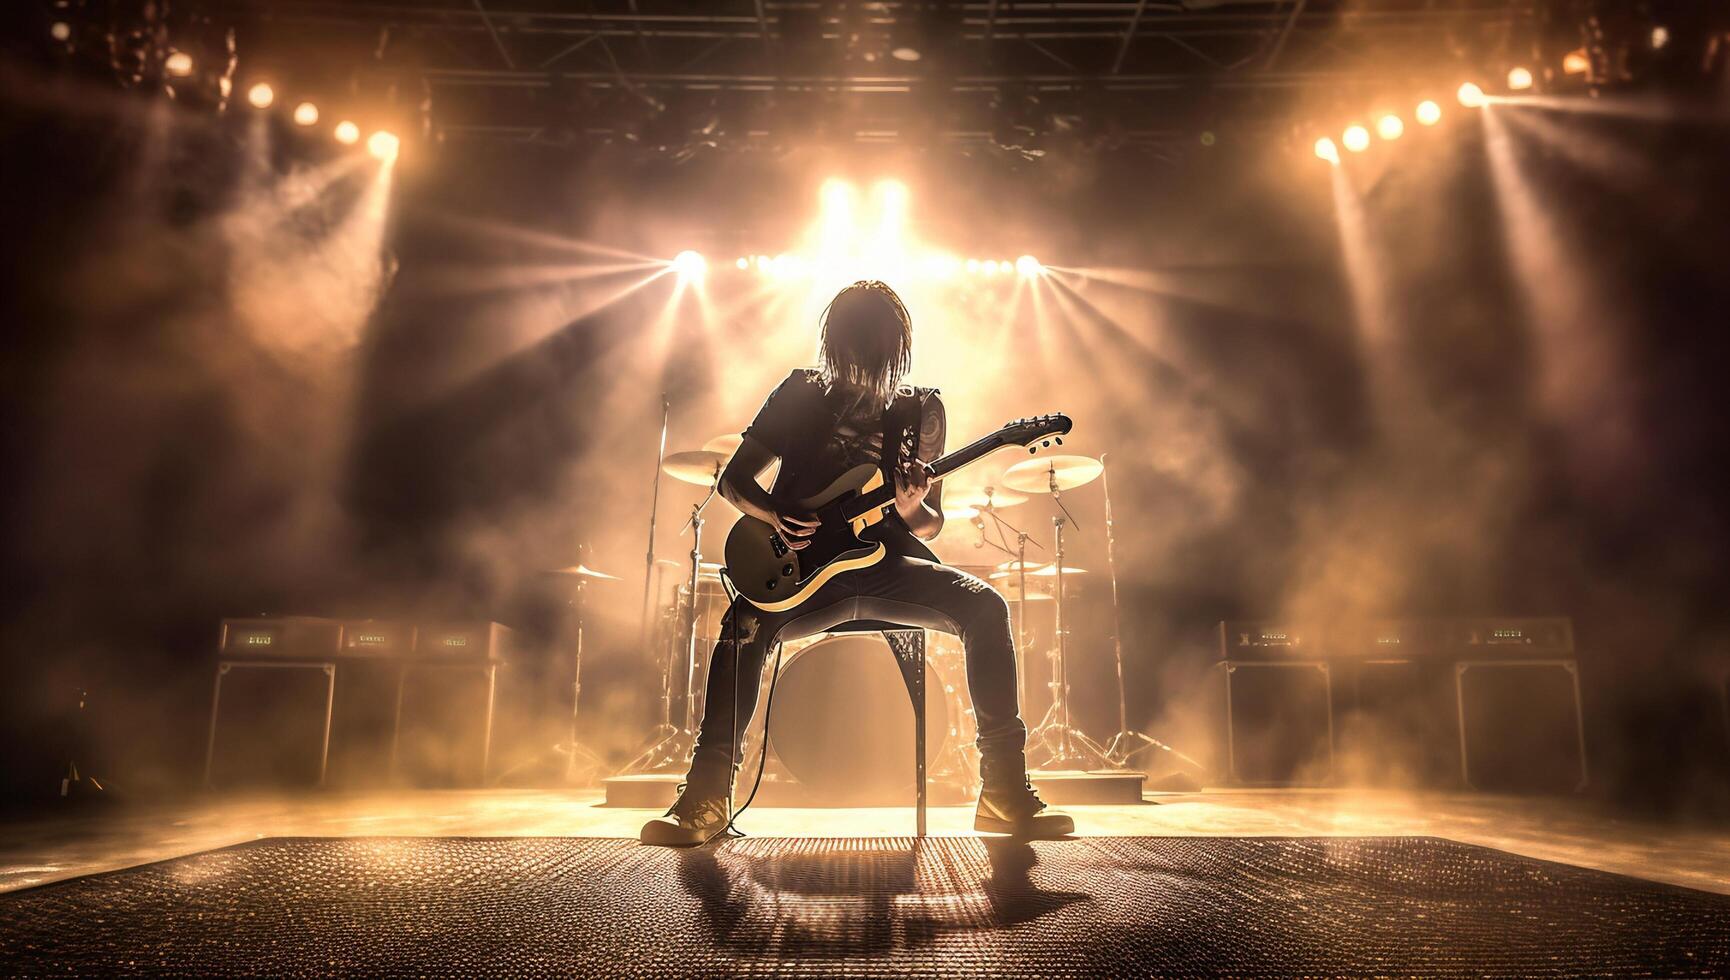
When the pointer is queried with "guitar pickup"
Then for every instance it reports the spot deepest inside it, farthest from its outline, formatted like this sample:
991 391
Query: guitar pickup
780 546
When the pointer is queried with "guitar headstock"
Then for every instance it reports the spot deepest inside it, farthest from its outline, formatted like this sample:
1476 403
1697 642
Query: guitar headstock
1026 432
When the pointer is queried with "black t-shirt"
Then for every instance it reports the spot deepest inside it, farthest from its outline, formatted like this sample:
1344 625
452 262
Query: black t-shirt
821 433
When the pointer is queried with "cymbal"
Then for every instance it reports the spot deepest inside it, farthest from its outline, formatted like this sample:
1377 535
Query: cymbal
962 513
699 466
1037 475
1042 571
579 571
1012 591
972 496
726 445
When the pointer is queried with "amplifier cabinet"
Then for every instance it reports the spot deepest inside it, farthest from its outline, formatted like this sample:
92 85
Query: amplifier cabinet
1279 722
280 638
1521 725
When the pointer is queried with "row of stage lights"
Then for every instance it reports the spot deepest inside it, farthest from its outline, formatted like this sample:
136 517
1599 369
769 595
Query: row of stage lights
383 144
691 265
1390 126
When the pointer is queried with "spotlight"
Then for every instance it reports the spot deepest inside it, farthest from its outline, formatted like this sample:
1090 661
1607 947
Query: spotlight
306 114
1471 96
1428 113
1326 150
60 31
261 95
742 263
1356 138
1389 127
1519 78
178 64
905 52
972 265
989 267
1028 266
347 133
1576 62
1660 36
689 265
383 145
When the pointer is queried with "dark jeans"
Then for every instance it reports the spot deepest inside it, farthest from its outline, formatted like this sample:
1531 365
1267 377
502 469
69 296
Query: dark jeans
901 590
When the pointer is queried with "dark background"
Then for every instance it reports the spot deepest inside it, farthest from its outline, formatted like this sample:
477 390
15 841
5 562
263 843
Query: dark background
1484 425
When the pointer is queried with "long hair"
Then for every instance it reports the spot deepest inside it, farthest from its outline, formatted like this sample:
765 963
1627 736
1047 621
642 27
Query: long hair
867 339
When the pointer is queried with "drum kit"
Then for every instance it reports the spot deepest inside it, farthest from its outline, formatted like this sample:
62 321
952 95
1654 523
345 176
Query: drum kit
679 625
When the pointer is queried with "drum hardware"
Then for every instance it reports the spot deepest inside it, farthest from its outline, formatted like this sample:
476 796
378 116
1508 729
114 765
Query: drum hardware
1065 746
576 579
1128 742
673 749
995 497
654 510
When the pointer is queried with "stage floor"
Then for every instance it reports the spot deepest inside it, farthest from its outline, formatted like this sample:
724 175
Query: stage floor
50 847
863 907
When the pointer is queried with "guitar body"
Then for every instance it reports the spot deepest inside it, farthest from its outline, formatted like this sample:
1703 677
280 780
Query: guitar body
774 577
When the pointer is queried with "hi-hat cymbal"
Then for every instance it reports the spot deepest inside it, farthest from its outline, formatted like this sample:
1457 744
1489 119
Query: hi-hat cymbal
699 466
975 497
726 445
580 571
1038 475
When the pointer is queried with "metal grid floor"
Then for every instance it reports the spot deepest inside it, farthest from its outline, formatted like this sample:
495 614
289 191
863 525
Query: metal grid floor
937 907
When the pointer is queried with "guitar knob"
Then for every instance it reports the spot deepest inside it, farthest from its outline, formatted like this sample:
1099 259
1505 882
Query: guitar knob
1046 444
1032 449
787 569
770 584
1060 440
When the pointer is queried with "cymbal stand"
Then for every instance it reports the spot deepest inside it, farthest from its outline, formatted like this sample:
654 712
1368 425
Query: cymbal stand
575 749
1066 746
654 510
674 749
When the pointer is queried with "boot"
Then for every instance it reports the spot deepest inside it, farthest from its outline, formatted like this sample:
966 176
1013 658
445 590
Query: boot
698 816
1009 805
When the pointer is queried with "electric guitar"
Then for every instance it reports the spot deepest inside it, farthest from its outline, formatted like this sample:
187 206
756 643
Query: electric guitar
775 578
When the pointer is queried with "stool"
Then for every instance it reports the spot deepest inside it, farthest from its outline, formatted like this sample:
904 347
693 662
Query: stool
908 645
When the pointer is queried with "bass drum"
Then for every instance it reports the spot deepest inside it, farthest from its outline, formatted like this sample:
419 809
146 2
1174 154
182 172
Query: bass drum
842 723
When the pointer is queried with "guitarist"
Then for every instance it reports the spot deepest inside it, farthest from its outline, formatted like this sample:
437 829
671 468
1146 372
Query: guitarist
819 423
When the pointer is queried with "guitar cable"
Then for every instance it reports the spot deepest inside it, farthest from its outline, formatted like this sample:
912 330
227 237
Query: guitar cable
768 708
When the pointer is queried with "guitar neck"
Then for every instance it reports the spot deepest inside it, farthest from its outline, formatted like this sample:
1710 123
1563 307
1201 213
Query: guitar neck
966 455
